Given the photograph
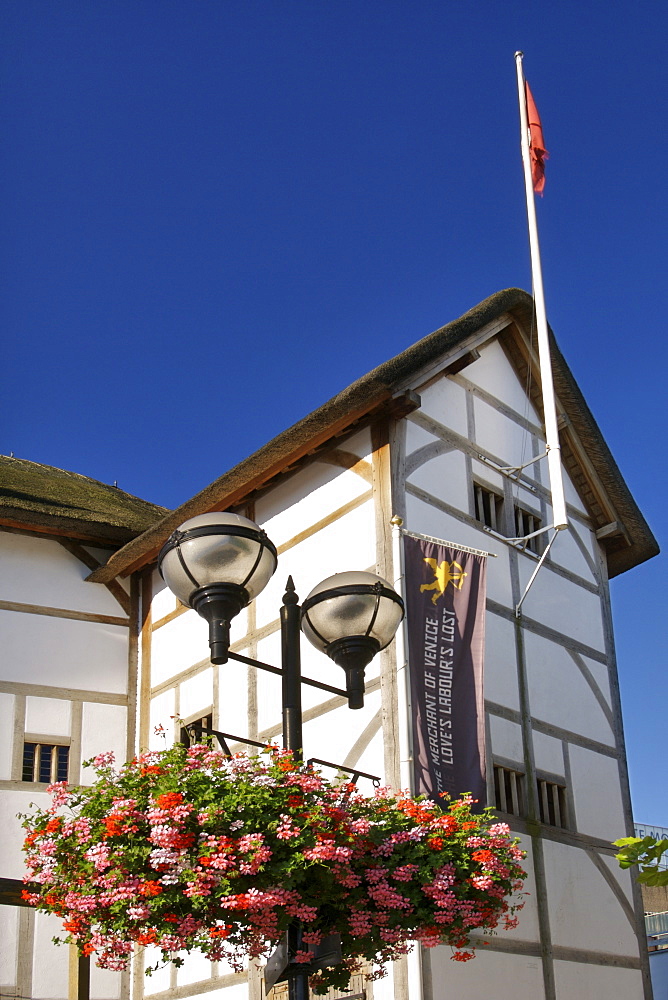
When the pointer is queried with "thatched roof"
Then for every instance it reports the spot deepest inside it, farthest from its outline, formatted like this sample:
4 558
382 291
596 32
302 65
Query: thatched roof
41 498
377 392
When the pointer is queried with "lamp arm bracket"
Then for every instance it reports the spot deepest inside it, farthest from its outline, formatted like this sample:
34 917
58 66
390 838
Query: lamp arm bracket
277 670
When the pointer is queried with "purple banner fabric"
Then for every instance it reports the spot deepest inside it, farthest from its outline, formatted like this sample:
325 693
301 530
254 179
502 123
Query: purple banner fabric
445 613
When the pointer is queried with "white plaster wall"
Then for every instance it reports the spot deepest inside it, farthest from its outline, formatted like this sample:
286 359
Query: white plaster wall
177 645
597 982
506 739
600 815
161 714
566 552
445 401
160 980
196 694
417 437
485 473
63 653
320 490
348 543
104 984
494 373
50 968
444 477
575 613
48 716
196 968
501 437
491 974
558 692
6 735
500 664
584 912
548 754
41 571
103 728
11 831
9 930
163 602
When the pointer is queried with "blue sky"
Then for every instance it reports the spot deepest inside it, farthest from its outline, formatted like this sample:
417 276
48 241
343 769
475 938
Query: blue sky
216 215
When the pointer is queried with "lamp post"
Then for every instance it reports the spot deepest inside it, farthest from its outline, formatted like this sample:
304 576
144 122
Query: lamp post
218 563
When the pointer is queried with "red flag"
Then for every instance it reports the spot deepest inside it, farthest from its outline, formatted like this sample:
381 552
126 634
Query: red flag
537 148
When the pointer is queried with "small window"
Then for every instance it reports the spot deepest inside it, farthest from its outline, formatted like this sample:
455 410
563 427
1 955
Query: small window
45 762
195 731
488 507
552 803
526 522
509 790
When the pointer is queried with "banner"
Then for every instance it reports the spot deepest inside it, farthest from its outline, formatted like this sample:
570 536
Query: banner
445 615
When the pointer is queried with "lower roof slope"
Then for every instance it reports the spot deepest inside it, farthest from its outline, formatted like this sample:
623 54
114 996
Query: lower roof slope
45 499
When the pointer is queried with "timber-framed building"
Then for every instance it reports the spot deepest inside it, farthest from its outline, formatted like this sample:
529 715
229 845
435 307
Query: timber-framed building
98 652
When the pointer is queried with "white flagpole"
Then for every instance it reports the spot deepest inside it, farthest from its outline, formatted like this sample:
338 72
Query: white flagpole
549 405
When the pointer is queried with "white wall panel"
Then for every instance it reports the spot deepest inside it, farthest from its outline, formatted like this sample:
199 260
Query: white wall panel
50 969
11 831
597 982
500 662
444 477
348 543
104 983
162 712
572 495
103 727
490 974
548 754
160 980
445 401
488 475
307 497
506 739
233 700
163 602
196 694
6 736
62 652
566 552
417 437
9 929
573 612
494 373
196 968
578 897
598 815
559 693
48 716
178 645
41 571
501 437
332 736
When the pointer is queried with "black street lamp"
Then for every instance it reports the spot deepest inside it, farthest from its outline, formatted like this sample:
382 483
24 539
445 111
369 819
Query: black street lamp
218 563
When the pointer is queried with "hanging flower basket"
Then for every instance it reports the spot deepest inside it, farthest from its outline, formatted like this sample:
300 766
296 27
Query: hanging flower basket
187 848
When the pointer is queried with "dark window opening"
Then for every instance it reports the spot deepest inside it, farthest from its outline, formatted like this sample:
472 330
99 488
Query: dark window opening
45 762
552 803
526 522
488 507
195 731
509 790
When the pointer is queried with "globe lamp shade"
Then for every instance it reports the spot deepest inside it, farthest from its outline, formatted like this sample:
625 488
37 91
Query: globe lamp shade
217 563
351 617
